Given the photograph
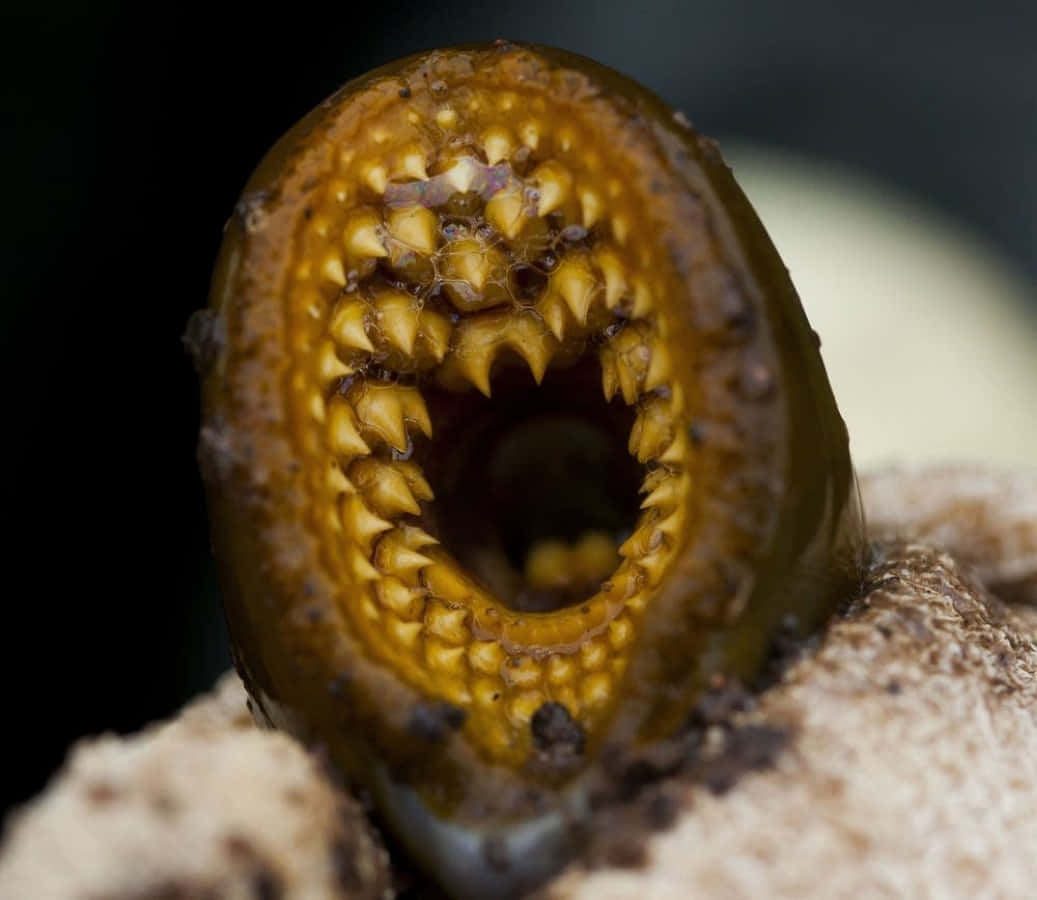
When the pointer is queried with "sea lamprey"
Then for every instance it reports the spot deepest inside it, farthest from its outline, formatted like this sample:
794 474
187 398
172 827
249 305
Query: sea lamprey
515 435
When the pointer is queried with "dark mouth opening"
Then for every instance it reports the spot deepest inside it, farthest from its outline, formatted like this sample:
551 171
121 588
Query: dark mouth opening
535 488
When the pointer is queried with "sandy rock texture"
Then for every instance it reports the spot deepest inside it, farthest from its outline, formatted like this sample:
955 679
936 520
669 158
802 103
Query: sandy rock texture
909 768
206 807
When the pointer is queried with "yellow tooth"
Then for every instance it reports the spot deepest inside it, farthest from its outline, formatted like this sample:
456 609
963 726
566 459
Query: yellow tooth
415 538
658 372
644 540
643 301
337 481
435 330
654 564
362 524
594 655
461 174
342 431
333 271
554 183
384 488
379 411
575 282
338 189
629 349
561 669
397 315
406 633
467 259
360 566
621 632
666 493
552 309
506 210
334 520
447 623
673 524
477 341
498 144
653 429
329 366
385 410
475 346
486 657
444 658
318 408
393 555
417 227
591 207
376 178
530 339
611 267
362 236
596 689
521 672
476 369
522 708
415 479
620 229
348 325
412 163
402 600
529 132
677 452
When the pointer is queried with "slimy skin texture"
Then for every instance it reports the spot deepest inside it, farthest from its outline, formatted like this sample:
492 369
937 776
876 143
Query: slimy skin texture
460 263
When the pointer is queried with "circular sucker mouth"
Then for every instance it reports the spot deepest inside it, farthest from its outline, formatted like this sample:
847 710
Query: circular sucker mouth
509 451
516 438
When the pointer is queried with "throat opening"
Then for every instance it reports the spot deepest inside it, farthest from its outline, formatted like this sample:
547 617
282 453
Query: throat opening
535 488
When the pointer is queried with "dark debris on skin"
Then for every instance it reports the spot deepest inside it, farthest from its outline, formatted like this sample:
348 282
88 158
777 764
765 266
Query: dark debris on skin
644 790
434 722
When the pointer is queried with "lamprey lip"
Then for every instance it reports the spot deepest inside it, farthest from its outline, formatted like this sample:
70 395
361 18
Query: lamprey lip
515 437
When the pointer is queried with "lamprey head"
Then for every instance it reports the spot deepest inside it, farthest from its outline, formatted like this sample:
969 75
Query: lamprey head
515 436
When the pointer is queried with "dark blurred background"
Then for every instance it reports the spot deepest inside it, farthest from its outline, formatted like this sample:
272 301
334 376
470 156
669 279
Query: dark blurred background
127 136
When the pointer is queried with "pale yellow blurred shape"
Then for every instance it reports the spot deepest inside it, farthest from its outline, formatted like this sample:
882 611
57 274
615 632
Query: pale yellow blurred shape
928 335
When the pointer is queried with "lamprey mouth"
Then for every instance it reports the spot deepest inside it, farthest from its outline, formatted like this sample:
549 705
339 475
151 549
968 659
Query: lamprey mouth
515 436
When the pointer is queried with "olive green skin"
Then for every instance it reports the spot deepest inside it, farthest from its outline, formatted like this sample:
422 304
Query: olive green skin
795 549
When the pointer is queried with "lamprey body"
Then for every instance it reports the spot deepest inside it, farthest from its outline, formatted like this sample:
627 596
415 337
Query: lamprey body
515 436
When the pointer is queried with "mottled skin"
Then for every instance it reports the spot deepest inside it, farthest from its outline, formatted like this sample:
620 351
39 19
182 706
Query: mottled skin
769 529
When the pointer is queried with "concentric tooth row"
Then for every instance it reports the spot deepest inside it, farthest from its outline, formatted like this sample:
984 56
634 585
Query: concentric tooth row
480 339
404 163
397 321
